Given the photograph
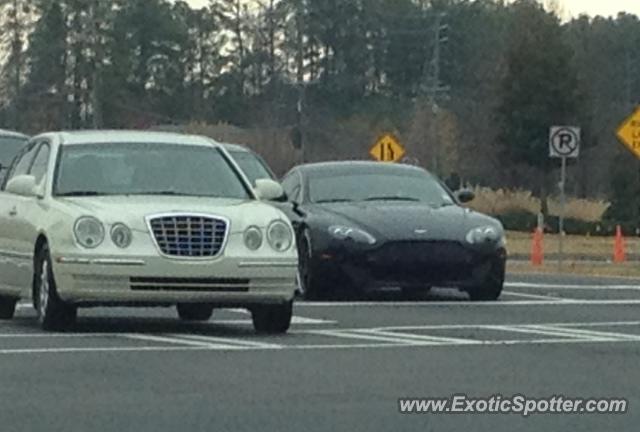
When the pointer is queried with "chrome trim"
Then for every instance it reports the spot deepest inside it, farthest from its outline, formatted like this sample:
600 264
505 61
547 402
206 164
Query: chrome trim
267 264
223 245
18 255
101 261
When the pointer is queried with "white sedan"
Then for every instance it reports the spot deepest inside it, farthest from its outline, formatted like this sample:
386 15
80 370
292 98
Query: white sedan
141 219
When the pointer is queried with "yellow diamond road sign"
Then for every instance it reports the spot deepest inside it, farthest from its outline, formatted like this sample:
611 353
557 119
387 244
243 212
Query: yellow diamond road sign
387 149
629 133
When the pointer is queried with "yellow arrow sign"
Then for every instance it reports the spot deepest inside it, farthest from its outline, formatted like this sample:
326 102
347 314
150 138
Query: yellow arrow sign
387 149
629 133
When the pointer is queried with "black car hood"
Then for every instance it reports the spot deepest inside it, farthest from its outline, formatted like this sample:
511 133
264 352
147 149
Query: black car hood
409 221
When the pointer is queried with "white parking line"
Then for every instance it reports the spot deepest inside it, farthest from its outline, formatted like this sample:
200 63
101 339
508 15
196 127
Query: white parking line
488 326
589 333
294 320
80 350
533 296
565 302
179 341
240 343
419 337
571 287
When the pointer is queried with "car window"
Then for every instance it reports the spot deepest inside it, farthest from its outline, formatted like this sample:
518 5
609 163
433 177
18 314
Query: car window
291 185
40 163
381 186
252 165
146 169
9 148
23 162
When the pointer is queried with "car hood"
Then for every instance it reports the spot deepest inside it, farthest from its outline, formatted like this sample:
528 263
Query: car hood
133 210
409 221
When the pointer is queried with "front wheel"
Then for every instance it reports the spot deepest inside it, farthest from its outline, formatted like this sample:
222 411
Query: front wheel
7 307
272 319
195 312
491 288
310 285
53 313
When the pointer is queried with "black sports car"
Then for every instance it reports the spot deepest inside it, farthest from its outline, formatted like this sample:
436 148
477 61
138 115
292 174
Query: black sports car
362 226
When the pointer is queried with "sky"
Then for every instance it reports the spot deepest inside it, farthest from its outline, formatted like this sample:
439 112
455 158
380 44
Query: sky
571 7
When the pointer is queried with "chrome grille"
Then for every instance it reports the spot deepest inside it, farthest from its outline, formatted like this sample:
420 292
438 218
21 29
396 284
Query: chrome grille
189 236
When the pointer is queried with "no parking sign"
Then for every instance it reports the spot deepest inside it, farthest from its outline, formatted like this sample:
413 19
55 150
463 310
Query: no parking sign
564 142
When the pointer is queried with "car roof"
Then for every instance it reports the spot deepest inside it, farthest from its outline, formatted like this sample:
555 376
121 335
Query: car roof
125 136
12 134
357 166
236 147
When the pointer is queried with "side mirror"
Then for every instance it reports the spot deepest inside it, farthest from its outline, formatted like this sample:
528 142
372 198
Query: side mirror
24 185
465 196
268 190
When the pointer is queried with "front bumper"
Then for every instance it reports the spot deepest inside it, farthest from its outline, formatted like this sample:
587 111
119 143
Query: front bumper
155 280
411 265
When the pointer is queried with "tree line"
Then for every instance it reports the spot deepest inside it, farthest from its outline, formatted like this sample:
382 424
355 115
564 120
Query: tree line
470 87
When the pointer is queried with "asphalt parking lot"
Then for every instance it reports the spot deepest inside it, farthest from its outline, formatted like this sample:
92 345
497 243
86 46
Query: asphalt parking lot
342 366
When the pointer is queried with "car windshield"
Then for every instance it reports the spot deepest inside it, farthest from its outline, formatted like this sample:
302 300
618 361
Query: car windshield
146 169
9 148
252 165
379 186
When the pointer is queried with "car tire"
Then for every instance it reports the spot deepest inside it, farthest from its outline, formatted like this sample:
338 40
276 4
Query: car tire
272 319
53 313
491 288
7 307
194 312
311 287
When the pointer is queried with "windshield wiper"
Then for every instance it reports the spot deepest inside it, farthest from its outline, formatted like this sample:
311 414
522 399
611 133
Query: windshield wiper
392 198
80 193
167 193
333 200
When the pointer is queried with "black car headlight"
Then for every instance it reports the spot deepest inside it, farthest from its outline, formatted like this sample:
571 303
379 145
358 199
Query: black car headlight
485 235
349 233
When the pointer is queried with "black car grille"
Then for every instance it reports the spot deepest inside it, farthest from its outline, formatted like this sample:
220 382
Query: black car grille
189 236
189 284
435 252
437 260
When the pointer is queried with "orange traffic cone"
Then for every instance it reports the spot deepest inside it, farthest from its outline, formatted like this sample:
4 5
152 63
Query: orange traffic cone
537 248
619 250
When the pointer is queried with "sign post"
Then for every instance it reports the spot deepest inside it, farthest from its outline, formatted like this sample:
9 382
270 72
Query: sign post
564 143
387 149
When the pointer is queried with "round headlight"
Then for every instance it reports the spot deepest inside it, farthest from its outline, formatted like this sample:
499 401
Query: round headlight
279 236
253 238
121 235
89 232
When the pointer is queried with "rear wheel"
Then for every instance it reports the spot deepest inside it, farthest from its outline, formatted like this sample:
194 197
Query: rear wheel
53 313
7 307
272 319
195 312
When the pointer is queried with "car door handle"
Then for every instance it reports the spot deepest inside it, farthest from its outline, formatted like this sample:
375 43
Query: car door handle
13 212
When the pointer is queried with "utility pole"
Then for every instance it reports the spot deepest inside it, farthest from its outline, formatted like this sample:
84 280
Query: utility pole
299 135
433 87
